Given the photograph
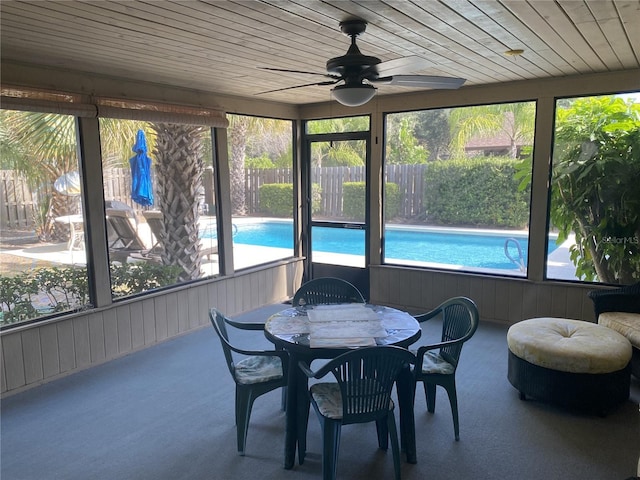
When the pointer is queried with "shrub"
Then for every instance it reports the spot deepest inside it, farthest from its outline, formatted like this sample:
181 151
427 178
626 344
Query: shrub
354 200
16 298
276 199
391 200
23 297
131 278
258 162
476 191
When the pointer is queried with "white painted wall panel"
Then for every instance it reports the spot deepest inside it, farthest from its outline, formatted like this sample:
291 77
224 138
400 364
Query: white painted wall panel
148 321
183 311
35 353
160 312
137 325
50 350
172 315
195 315
500 300
81 342
111 333
3 373
96 337
32 353
13 360
123 316
66 346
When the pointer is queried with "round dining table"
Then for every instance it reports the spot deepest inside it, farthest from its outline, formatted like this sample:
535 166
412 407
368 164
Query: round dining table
292 330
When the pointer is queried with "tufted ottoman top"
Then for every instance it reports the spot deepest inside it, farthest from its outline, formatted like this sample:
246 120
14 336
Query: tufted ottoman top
569 345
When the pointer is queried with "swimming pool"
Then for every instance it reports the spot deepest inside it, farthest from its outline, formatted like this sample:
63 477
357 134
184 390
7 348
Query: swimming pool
478 250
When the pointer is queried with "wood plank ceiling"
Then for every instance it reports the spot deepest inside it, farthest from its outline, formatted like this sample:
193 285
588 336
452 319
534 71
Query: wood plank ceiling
218 46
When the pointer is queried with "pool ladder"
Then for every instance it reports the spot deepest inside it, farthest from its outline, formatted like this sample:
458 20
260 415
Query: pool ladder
520 261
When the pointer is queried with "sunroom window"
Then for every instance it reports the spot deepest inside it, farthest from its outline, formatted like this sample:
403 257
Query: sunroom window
456 188
160 207
262 190
595 198
43 263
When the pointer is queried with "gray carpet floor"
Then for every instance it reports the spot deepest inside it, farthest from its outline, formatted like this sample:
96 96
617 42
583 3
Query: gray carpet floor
167 413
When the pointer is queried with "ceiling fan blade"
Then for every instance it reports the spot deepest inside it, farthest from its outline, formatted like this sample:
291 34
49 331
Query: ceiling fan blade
410 64
427 81
295 71
317 84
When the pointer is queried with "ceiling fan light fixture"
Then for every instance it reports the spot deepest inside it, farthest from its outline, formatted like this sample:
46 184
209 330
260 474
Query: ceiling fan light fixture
353 95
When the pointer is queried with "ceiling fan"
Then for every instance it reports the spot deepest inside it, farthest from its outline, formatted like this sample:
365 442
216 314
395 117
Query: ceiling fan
355 75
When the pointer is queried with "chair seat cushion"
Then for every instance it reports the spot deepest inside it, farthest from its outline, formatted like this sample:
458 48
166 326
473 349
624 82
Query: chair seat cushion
258 369
627 324
434 363
328 398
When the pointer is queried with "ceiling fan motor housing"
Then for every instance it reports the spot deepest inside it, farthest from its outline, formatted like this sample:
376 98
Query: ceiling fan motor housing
353 66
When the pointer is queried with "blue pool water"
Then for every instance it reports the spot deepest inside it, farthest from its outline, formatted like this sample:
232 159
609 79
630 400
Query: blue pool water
481 251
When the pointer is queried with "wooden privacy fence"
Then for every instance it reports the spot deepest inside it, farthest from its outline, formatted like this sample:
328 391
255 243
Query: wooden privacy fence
18 202
254 178
411 185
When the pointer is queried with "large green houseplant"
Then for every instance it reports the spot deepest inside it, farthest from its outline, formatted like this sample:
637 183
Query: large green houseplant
595 192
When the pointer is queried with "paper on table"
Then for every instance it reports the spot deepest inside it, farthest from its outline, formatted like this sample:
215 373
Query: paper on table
341 342
327 313
352 325
288 325
347 329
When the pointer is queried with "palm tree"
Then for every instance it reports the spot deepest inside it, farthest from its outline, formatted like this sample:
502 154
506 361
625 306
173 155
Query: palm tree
337 153
179 168
515 120
238 127
47 148
253 135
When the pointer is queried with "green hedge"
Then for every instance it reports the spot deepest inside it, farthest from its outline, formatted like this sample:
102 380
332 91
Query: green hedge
476 192
276 199
48 290
354 200
391 200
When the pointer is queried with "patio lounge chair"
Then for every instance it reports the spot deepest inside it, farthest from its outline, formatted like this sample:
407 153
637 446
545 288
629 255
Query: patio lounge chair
124 240
155 221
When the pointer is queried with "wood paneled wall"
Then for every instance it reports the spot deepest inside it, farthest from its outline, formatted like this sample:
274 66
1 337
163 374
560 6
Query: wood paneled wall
501 300
38 353
41 352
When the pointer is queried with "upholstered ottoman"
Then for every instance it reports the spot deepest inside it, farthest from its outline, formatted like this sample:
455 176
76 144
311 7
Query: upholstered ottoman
570 363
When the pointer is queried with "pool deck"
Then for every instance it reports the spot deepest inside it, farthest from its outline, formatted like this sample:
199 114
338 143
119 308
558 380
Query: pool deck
559 266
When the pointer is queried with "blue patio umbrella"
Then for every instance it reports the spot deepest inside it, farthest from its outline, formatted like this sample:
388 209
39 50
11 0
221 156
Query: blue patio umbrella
141 187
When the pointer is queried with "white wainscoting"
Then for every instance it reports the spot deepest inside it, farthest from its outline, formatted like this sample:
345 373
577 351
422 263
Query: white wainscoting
41 352
500 300
38 353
